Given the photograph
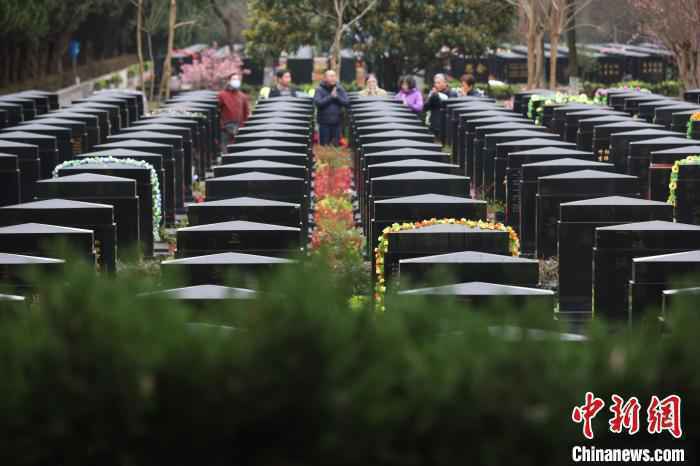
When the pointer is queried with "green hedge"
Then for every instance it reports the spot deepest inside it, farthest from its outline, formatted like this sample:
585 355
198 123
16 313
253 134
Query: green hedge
669 88
92 375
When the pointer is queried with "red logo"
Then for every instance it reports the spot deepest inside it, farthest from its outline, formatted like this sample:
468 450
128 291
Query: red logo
665 415
586 413
625 415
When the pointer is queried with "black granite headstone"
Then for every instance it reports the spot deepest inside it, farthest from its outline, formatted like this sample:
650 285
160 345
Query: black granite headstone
120 193
79 140
616 246
652 275
48 149
298 147
63 136
586 127
10 180
619 144
271 155
38 239
76 214
29 165
230 268
576 236
18 272
601 135
264 166
688 194
245 208
469 266
553 190
660 170
639 157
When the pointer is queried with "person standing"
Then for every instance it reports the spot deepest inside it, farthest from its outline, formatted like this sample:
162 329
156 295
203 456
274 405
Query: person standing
284 85
372 88
409 94
441 91
330 98
234 108
467 86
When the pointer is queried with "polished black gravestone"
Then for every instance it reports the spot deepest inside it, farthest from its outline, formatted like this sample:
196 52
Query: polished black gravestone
414 183
229 268
38 239
463 152
245 208
554 190
298 147
396 155
76 214
106 112
48 149
29 165
271 134
408 165
386 136
677 297
144 188
602 133
660 170
576 236
558 122
17 271
272 155
521 206
421 207
616 246
620 142
664 115
489 152
79 140
688 194
572 119
586 128
10 180
469 266
400 144
652 275
63 136
212 297
120 193
639 157
632 102
178 156
440 239
505 166
476 295
647 109
97 122
188 147
264 166
680 119
239 236
301 129
13 112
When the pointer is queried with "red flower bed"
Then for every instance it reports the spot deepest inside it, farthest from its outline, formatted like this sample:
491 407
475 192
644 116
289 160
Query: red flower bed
332 181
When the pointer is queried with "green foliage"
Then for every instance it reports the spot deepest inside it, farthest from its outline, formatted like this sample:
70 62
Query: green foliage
670 88
94 375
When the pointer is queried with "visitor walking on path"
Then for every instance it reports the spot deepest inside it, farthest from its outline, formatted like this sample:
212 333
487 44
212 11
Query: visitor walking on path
330 99
409 94
372 88
234 108
441 91
284 85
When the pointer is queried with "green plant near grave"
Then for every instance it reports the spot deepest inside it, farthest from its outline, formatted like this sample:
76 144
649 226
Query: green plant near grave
97 375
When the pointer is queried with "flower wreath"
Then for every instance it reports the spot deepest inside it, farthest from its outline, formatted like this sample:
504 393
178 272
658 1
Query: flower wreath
673 184
383 246
689 129
157 215
175 111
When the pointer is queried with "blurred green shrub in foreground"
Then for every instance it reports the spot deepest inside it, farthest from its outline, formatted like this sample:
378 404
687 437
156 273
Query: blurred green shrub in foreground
92 375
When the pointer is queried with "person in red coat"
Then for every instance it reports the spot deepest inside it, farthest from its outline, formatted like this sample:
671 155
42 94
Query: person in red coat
234 108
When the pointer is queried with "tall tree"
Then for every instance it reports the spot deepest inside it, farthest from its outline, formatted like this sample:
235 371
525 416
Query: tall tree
233 18
571 43
675 23
561 15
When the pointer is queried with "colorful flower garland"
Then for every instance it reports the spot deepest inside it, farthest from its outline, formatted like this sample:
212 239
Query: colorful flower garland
689 129
155 186
383 246
673 184
175 111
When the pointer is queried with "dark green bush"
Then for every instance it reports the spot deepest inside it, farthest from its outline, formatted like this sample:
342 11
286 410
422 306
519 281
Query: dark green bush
92 375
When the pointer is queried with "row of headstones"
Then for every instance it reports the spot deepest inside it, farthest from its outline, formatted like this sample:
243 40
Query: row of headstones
403 175
255 218
94 207
525 156
615 233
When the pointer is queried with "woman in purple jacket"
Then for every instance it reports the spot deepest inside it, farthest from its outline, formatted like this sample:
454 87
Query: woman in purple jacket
409 95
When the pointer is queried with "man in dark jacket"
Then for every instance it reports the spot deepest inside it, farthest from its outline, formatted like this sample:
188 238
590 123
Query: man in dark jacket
284 85
330 98
434 103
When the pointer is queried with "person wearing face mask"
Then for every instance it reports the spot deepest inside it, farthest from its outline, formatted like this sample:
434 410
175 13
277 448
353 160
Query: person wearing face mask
234 108
409 94
441 91
372 88
284 85
330 99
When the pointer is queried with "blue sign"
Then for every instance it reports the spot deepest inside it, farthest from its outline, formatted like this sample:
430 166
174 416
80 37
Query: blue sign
74 48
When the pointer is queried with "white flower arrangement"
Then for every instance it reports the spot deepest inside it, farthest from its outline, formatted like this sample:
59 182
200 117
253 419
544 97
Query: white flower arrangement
156 196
